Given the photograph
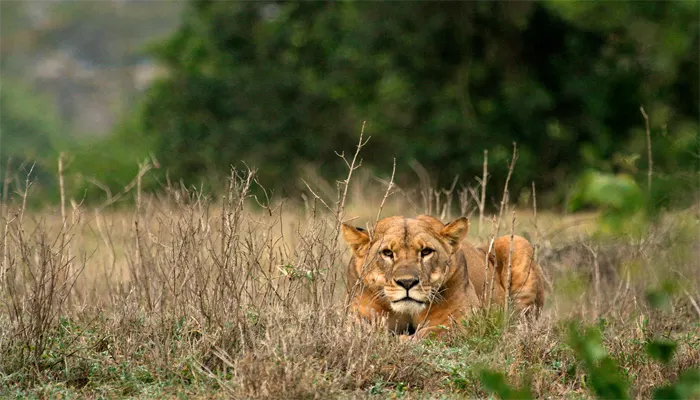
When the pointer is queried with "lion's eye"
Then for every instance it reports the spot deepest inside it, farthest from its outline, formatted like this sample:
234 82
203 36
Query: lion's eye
387 253
426 252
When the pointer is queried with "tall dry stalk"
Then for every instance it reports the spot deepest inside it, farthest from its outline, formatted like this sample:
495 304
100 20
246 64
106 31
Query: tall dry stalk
387 193
484 180
352 166
5 215
487 261
506 193
140 274
596 281
497 223
64 222
509 271
649 158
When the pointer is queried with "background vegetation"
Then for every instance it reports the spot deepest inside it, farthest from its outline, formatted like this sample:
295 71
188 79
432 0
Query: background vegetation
282 86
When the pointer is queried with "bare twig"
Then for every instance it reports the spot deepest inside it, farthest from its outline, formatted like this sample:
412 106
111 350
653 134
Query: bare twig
64 245
596 280
484 178
536 241
509 272
692 301
6 181
504 199
447 209
497 222
649 158
62 188
316 196
143 168
534 209
492 279
25 194
389 186
353 165
425 192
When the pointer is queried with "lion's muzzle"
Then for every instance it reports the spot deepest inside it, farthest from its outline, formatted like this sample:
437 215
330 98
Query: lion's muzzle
406 294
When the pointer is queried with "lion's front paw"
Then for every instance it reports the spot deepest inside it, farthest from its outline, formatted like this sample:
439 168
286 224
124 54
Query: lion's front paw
431 332
406 338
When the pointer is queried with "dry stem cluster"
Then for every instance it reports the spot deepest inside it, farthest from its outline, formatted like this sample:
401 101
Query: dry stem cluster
242 296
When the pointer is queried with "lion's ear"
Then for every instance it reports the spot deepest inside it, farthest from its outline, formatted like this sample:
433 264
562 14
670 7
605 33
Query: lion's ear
456 230
354 237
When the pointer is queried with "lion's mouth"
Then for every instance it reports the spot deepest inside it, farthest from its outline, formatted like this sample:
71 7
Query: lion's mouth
409 300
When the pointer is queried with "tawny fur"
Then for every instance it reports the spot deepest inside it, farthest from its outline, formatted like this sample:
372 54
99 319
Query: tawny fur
455 270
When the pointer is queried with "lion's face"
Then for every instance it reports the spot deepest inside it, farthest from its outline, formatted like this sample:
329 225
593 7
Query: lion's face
407 261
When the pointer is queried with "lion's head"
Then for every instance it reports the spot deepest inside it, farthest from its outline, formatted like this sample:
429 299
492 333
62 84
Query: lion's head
406 262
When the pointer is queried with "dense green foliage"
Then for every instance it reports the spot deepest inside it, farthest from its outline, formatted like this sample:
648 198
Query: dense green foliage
284 85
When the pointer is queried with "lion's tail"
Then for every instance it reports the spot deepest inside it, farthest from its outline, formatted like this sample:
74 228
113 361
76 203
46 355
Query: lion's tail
527 282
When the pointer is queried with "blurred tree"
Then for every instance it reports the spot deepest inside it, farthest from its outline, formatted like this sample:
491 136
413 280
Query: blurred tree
30 132
281 85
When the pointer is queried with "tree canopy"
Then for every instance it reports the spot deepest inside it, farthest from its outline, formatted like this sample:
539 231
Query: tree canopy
284 85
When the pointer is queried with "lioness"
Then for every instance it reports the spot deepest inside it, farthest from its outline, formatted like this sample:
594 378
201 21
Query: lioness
421 275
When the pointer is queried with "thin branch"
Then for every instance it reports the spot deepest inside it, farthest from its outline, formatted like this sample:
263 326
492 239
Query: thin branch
493 273
505 188
62 188
353 166
509 272
484 178
5 211
596 281
693 302
316 196
386 195
649 158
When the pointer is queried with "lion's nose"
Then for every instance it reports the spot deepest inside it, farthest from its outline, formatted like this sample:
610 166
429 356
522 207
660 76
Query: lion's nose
406 283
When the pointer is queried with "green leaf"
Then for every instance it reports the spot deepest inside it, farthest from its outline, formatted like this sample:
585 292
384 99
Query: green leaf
495 382
661 350
687 387
604 376
661 296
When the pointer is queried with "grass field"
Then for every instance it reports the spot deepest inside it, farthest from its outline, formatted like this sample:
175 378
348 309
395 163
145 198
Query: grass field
183 296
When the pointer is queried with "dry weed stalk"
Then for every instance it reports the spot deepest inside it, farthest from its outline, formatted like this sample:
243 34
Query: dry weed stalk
425 186
387 193
506 193
484 179
596 280
141 276
509 271
445 212
692 301
487 261
649 158
352 166
64 221
5 215
496 228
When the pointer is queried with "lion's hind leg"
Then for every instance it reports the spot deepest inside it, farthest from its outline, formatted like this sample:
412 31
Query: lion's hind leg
526 284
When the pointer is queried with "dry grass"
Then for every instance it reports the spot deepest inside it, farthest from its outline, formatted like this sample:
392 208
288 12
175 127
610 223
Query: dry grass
239 297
